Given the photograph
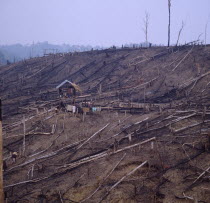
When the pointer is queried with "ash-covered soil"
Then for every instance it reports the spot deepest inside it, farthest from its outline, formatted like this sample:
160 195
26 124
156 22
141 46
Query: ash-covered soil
150 142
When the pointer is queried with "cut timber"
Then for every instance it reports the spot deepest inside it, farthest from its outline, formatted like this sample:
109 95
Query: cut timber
100 185
144 84
192 87
36 133
65 148
27 181
124 177
86 141
61 197
30 118
119 123
103 154
135 145
53 175
191 81
183 59
202 174
137 123
190 126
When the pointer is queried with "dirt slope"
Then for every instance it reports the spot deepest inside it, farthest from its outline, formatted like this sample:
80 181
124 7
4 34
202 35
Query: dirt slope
158 117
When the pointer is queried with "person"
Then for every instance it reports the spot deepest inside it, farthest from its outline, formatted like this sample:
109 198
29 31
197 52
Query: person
14 156
4 165
69 92
61 105
5 197
60 92
116 144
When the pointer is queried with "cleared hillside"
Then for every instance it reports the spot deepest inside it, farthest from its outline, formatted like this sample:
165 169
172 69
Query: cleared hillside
155 120
126 71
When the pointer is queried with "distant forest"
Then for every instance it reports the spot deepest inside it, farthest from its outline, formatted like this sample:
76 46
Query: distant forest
17 52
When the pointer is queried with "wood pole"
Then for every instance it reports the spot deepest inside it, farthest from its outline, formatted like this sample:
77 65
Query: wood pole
1 157
169 21
24 135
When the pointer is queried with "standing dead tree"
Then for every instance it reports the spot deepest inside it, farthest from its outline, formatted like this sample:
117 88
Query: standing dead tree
146 24
24 134
206 32
169 21
180 31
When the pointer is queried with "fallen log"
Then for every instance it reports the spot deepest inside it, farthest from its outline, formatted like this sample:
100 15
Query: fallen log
205 87
182 59
181 162
27 181
45 156
124 177
86 141
100 185
118 124
36 133
190 126
27 119
189 82
103 154
168 125
46 148
137 123
202 174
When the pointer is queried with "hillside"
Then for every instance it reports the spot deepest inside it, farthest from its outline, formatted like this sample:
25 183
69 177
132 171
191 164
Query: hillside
125 71
150 142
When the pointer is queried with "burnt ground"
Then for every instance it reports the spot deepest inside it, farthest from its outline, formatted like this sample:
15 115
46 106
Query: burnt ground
156 113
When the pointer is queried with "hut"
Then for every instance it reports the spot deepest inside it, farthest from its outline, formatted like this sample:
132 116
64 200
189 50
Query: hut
68 89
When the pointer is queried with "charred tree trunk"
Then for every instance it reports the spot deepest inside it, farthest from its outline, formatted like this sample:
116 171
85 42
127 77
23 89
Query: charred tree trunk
169 22
146 24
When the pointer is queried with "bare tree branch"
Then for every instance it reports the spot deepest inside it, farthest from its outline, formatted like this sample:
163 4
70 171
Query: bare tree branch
206 31
180 31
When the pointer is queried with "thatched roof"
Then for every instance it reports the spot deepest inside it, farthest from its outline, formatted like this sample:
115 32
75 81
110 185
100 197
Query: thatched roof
77 87
71 83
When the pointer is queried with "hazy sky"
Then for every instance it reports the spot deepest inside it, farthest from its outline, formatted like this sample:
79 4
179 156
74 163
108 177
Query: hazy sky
100 22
